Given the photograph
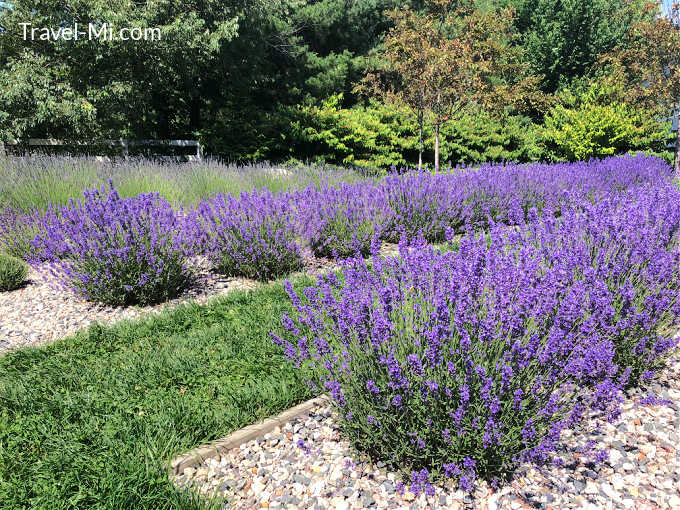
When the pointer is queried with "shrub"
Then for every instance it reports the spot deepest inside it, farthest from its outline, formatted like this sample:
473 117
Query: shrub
372 136
252 235
426 204
13 273
381 136
467 197
18 229
340 221
117 251
598 122
478 137
464 363
414 356
628 244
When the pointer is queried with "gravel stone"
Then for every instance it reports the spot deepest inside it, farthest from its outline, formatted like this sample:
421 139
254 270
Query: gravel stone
38 313
332 476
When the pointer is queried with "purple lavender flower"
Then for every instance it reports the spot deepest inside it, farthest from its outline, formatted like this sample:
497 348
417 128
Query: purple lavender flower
117 251
251 235
484 355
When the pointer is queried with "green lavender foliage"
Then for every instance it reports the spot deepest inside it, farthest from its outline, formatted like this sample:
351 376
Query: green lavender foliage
13 273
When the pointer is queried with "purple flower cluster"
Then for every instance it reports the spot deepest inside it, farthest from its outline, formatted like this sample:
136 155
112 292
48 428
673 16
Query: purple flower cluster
469 198
252 235
17 229
128 250
339 221
113 250
462 364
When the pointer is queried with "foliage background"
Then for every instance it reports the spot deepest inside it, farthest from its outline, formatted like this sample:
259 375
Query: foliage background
275 79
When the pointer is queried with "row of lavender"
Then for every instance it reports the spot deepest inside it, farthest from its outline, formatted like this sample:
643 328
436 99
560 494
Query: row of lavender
138 250
464 364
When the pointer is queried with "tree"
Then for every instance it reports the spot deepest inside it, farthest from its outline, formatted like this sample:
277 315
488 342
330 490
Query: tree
444 61
648 62
134 87
41 100
563 38
223 71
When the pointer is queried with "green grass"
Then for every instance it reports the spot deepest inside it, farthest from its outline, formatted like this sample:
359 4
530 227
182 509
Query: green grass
92 421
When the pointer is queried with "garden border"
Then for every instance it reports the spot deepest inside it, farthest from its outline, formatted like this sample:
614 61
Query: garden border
235 439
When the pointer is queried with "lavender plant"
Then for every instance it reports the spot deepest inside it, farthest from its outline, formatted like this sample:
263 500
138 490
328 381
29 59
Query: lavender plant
252 235
339 221
466 198
463 364
423 204
13 273
116 251
628 247
38 181
18 229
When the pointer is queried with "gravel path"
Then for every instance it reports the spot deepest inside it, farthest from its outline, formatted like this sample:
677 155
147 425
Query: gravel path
643 470
37 313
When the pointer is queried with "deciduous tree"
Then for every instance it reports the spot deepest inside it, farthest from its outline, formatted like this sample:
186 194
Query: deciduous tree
450 58
648 61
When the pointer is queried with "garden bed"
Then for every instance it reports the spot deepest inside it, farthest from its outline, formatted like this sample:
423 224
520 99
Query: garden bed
456 367
38 313
307 464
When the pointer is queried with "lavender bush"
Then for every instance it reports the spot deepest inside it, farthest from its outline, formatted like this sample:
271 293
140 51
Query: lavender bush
423 204
339 221
469 198
13 273
624 247
37 181
17 230
464 364
117 251
252 235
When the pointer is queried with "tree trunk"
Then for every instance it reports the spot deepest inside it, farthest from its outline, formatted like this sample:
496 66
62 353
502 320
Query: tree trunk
420 140
195 114
436 147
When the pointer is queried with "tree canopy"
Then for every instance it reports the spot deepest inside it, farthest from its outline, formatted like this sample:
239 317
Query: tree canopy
242 75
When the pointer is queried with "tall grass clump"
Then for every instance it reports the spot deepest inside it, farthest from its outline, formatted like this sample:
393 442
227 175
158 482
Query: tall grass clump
463 364
13 273
252 235
116 251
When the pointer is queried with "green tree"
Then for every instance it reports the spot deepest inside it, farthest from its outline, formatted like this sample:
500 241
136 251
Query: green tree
563 38
223 71
647 62
442 62
36 97
135 87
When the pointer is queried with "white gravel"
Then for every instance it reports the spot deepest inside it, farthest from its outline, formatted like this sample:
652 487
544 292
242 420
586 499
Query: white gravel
643 471
37 313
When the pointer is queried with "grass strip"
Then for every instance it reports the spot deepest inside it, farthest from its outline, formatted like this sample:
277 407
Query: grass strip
92 421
